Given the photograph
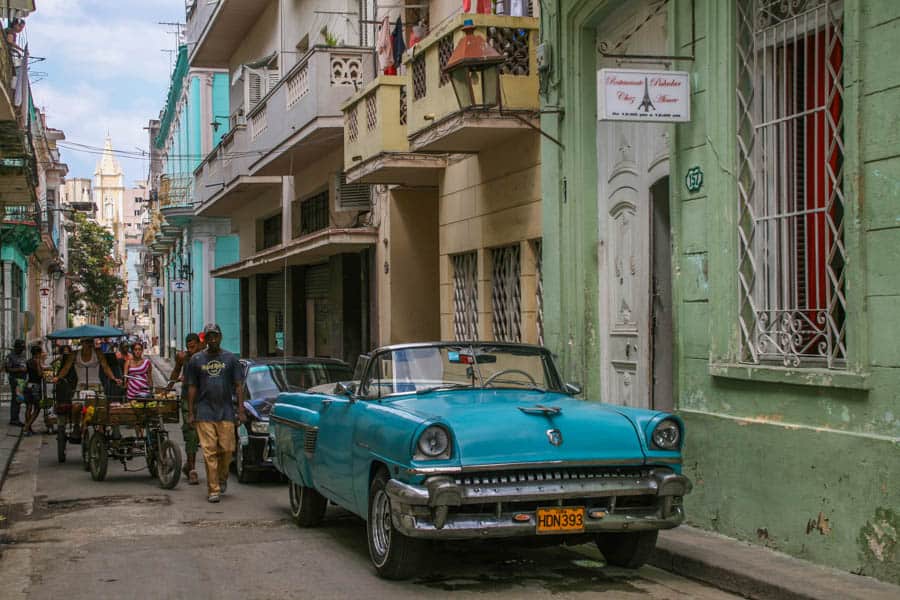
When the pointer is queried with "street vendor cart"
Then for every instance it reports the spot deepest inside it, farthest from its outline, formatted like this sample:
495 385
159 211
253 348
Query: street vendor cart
69 407
148 418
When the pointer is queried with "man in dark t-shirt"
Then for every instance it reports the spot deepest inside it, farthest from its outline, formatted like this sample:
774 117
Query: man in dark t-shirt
214 377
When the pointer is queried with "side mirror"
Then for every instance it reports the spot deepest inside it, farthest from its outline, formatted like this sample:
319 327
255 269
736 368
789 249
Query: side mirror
572 389
345 388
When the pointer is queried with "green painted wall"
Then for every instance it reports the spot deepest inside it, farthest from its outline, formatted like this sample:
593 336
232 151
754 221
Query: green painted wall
220 108
195 111
804 462
228 294
197 287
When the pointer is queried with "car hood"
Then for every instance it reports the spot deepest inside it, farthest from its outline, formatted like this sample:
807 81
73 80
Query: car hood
489 427
260 407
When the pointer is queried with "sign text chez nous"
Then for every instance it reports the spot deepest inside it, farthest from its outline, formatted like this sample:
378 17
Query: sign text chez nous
639 95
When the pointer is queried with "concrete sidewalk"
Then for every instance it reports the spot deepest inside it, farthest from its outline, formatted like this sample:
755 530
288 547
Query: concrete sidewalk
757 572
10 435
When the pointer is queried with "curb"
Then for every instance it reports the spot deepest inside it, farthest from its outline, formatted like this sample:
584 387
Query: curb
756 572
7 452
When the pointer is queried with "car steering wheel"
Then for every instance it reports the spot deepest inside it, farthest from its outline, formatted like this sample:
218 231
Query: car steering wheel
491 379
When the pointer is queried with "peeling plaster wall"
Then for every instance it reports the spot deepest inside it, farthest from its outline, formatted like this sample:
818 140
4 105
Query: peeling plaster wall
807 463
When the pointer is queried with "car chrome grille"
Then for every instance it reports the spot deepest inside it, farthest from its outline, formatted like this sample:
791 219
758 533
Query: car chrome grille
309 440
549 475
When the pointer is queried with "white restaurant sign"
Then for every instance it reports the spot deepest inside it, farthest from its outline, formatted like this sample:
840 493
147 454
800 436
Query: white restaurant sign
638 95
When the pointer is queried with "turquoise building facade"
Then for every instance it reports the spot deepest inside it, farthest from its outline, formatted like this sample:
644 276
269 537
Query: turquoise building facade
193 122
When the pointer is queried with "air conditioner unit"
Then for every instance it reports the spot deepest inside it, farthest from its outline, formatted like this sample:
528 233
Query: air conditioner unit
352 196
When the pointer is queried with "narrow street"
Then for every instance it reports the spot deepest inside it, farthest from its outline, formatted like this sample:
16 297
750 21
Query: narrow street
126 538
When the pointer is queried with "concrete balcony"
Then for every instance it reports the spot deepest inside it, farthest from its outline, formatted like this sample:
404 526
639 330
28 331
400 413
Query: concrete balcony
223 182
376 148
305 250
218 27
298 121
436 123
300 118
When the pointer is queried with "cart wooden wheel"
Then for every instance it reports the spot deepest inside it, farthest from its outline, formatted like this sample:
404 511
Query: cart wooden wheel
169 465
99 459
61 440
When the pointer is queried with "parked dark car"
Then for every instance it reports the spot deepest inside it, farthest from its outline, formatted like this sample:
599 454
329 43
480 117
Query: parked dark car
264 379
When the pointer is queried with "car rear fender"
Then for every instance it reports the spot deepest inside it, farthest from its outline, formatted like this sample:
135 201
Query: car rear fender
292 419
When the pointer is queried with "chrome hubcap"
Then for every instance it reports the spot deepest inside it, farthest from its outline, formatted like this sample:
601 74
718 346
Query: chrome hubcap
381 524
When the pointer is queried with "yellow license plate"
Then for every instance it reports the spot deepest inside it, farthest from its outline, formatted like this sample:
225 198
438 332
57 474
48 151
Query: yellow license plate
569 519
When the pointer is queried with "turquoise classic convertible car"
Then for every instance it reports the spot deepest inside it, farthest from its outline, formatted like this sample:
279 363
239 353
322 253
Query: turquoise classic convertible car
450 441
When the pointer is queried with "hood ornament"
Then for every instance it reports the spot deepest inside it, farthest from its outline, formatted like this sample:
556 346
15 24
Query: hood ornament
554 436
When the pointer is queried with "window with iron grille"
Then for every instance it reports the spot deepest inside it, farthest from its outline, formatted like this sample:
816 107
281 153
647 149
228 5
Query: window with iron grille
403 105
371 111
791 253
538 249
353 123
445 49
314 213
506 294
465 296
513 45
418 77
271 232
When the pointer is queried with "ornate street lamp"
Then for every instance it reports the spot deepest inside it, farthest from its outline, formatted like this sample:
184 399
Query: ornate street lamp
474 69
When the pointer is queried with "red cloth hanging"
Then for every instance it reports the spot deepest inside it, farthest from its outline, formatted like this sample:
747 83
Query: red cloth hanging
483 7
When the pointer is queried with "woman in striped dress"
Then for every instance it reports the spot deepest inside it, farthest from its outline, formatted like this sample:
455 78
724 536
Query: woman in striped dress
139 374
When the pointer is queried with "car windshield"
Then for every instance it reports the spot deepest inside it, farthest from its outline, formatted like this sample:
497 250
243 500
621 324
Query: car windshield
431 368
270 380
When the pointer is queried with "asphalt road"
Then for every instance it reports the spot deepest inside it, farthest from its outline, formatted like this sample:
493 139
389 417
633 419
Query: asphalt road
127 538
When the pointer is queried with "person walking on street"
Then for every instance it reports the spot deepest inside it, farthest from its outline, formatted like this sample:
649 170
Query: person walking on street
139 374
214 377
34 387
189 433
16 370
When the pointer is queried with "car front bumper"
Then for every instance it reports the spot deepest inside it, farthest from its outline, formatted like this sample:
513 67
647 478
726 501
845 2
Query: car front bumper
448 507
258 453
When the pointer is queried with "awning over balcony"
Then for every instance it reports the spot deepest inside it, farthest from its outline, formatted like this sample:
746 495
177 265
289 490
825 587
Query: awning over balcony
236 193
309 249
472 131
226 29
178 214
407 169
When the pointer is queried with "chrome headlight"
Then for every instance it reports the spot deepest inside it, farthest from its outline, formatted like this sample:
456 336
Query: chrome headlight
667 435
259 427
434 443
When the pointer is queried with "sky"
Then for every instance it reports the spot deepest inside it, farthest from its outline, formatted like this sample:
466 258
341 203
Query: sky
105 71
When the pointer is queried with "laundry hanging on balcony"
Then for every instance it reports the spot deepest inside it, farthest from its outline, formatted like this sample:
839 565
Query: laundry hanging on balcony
385 47
482 7
398 42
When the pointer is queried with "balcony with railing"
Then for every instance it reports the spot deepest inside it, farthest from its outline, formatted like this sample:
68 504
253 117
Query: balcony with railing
299 119
295 121
222 182
376 149
436 123
18 166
